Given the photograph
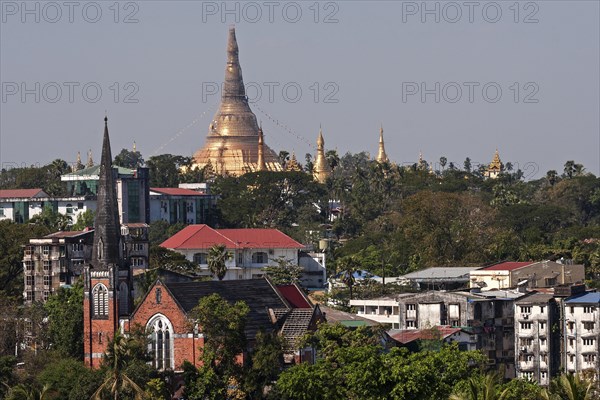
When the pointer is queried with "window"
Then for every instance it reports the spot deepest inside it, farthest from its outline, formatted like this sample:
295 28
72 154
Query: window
526 341
77 246
571 342
100 301
137 261
29 280
80 205
544 375
240 258
45 250
526 309
138 247
411 307
588 326
550 282
260 257
589 341
123 298
589 358
158 295
46 295
1 212
47 280
410 324
28 250
589 309
46 264
30 295
572 309
542 309
542 342
161 342
571 325
542 325
525 325
201 258
69 208
29 265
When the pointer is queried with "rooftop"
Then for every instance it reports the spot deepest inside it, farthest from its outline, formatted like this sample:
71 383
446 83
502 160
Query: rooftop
410 335
21 193
508 266
204 237
588 298
294 296
440 273
95 172
176 192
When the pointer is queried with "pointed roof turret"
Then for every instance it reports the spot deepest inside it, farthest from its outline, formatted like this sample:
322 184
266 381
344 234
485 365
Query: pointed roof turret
107 230
321 170
381 155
90 161
260 164
293 165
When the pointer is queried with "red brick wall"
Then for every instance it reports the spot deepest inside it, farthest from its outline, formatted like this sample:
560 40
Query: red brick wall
184 348
97 332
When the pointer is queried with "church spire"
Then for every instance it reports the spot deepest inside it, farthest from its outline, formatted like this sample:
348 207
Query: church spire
321 169
381 155
107 230
260 164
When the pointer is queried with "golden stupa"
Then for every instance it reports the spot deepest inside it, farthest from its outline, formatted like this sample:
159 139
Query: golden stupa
495 168
232 144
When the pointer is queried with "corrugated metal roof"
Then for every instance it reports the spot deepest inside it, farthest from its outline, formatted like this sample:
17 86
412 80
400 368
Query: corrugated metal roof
508 266
588 298
440 273
21 193
176 191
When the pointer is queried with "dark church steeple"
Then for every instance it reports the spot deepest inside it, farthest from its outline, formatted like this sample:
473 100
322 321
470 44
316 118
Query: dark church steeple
107 230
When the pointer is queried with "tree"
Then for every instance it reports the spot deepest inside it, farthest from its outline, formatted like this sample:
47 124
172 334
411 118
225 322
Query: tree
333 159
569 169
309 165
129 159
85 220
223 326
284 273
348 266
66 376
283 157
120 352
266 362
51 219
170 260
571 387
443 162
24 392
481 387
165 169
217 257
467 164
552 177
65 321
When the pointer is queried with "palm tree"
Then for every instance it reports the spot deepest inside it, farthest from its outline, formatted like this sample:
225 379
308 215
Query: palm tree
117 356
482 387
22 392
217 255
349 266
570 387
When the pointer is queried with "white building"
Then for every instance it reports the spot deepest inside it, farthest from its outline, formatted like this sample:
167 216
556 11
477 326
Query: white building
582 333
250 250
181 205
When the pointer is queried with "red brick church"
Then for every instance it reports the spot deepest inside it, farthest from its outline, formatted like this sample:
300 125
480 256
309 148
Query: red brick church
163 311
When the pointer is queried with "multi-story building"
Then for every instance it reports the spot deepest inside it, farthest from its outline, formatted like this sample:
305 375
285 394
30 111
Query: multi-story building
537 337
132 185
180 205
488 316
582 333
532 275
53 261
58 259
250 250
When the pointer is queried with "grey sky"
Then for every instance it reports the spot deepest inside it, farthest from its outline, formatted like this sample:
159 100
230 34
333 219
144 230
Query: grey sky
368 61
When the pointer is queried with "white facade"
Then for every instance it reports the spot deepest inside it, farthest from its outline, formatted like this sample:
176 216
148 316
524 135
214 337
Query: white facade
72 207
582 334
382 310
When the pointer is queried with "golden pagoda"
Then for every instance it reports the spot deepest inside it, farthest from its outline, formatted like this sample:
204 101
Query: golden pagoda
293 165
232 144
321 170
495 168
381 155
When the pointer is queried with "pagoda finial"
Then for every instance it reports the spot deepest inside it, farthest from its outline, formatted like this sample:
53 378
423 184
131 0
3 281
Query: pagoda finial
321 170
381 155
260 164
90 161
134 147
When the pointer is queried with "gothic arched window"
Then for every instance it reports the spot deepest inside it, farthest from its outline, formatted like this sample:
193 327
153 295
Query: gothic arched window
100 301
161 342
123 298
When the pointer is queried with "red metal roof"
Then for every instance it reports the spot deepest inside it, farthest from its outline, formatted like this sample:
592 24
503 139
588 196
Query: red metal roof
62 234
409 335
177 192
507 266
203 237
21 193
293 296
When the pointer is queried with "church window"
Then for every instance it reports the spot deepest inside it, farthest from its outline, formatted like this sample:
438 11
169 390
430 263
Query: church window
100 301
260 257
100 249
161 342
158 296
123 299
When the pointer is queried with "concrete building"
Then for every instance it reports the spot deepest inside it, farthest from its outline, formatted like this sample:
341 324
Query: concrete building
180 205
132 186
439 278
537 337
532 275
250 251
582 333
384 310
414 339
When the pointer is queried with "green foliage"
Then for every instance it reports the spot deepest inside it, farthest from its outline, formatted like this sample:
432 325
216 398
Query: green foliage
52 220
572 387
217 257
170 260
284 273
222 325
266 362
65 321
46 177
129 159
160 231
85 220
65 376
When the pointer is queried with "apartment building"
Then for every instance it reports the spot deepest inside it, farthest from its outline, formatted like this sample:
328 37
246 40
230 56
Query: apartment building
582 333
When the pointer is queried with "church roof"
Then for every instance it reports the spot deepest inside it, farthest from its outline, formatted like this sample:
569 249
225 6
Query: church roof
204 237
258 294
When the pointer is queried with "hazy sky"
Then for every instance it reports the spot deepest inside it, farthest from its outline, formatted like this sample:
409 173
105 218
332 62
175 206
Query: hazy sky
454 79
